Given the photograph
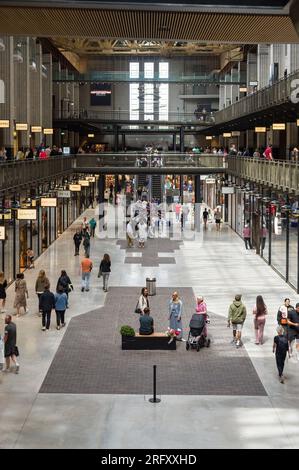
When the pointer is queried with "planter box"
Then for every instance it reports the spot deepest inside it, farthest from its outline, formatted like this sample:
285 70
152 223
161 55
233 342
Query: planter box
154 341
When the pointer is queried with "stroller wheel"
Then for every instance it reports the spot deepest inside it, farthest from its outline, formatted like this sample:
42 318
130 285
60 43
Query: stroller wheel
198 347
187 346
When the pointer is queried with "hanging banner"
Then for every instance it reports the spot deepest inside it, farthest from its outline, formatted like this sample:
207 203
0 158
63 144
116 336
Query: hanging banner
75 187
83 182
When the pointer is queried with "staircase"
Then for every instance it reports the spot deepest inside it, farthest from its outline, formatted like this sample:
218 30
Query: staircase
140 181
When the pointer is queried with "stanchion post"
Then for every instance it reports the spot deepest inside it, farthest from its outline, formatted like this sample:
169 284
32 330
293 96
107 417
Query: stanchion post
154 399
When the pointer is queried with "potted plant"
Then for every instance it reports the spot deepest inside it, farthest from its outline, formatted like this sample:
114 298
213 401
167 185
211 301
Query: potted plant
127 336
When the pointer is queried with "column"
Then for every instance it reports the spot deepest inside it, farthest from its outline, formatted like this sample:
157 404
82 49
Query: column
263 65
101 190
198 200
116 132
47 92
174 142
7 94
182 140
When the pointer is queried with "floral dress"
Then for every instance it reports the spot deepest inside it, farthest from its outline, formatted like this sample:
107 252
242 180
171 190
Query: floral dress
21 291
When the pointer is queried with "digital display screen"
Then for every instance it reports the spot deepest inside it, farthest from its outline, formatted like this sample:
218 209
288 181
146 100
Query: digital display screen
100 94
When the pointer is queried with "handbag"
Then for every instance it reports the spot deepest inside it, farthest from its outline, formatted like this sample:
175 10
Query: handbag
137 310
100 273
16 351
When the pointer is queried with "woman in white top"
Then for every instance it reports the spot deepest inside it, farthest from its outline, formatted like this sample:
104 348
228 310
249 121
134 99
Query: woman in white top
142 233
143 300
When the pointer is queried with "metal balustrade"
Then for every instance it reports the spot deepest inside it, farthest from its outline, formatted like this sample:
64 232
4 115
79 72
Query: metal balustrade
278 174
278 93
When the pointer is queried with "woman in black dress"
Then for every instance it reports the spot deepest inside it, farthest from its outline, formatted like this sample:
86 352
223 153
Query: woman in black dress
3 286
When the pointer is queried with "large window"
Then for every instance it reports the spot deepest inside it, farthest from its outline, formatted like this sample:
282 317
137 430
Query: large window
149 101
163 92
134 92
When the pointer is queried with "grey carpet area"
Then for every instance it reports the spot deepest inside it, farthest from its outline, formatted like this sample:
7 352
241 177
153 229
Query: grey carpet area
90 360
149 254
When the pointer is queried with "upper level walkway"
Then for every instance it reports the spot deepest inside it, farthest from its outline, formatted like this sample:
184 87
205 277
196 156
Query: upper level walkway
278 174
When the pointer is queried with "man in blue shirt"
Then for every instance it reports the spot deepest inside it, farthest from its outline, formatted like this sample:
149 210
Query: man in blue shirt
146 323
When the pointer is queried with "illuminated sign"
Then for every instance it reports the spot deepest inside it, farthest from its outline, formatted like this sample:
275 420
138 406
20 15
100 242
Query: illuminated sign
48 202
4 123
90 135
36 128
236 134
21 127
75 187
227 134
227 190
91 179
260 129
210 180
2 233
83 182
26 214
48 131
278 127
209 137
63 193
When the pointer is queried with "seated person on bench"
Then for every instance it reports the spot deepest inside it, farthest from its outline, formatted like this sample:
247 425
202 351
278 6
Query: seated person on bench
146 323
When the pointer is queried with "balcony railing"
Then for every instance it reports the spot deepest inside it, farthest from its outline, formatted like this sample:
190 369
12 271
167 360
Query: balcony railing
279 174
18 173
278 93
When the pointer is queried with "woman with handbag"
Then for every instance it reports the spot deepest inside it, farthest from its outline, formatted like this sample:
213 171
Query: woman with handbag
105 270
40 284
142 301
259 313
65 282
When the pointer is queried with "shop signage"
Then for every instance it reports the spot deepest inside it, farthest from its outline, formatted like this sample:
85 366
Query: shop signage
227 190
243 89
5 215
236 134
90 135
48 202
260 129
279 126
210 181
2 233
48 131
36 128
91 179
209 137
227 134
63 193
253 83
75 187
83 182
21 127
27 214
4 123
298 122
203 177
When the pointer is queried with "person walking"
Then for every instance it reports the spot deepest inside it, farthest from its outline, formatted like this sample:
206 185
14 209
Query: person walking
259 314
146 323
142 233
177 209
46 304
268 153
86 267
293 330
77 241
65 282
217 216
130 234
236 317
61 304
21 294
263 235
282 315
86 244
205 216
3 286
10 344
92 225
105 269
280 349
201 309
40 284
247 235
175 310
143 301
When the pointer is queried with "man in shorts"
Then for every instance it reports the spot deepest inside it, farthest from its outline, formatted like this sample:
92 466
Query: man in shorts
293 327
236 317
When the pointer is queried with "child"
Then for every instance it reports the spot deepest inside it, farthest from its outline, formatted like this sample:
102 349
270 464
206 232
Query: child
280 348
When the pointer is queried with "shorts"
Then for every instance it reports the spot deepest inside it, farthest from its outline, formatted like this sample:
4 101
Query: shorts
218 221
237 326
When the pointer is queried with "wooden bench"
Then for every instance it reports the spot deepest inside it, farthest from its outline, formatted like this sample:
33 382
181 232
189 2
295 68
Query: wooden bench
153 341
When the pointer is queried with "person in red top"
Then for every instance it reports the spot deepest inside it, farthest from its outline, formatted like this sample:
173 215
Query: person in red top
43 154
86 267
268 153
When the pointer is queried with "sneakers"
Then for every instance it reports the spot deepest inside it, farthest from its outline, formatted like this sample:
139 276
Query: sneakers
57 327
3 310
238 344
233 342
82 289
43 328
281 379
87 290
17 369
62 324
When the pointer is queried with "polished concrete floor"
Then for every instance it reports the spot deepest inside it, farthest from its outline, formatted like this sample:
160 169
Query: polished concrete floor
215 265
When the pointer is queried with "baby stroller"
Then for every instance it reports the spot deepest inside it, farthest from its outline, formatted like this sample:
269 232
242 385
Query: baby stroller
197 336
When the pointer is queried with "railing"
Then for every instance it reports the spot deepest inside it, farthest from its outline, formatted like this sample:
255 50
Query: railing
139 160
279 174
278 93
124 115
18 173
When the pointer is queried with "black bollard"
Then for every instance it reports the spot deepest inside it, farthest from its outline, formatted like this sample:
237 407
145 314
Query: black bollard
155 399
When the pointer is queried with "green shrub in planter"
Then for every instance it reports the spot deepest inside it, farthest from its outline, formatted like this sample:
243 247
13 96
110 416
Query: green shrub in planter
127 331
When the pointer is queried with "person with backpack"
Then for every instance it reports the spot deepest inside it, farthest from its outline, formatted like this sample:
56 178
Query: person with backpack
280 349
236 318
282 315
86 244
61 304
64 282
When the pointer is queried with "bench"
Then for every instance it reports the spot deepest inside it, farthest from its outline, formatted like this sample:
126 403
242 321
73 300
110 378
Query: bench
153 341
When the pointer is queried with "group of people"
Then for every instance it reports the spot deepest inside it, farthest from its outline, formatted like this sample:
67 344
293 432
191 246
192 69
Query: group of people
83 234
247 236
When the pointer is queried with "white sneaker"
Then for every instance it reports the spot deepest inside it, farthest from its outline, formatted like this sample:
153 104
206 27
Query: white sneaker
3 311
